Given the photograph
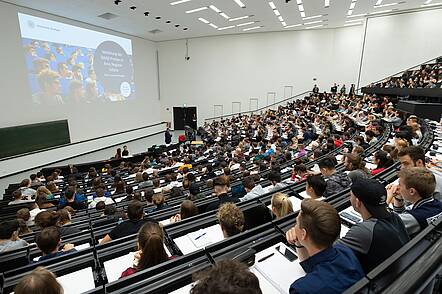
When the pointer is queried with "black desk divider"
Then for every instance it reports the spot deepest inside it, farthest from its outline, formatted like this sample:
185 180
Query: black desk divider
361 287
257 239
164 278
12 259
60 266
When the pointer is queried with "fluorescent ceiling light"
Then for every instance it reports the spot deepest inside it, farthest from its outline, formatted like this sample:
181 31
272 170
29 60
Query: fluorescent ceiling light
292 26
197 9
301 7
357 15
353 24
245 23
213 26
238 18
312 17
349 13
312 22
428 2
379 2
327 3
242 5
352 5
383 11
386 5
280 18
354 20
276 11
284 23
432 4
225 28
224 15
298 1
252 28
179 2
272 5
203 20
214 8
313 27
302 14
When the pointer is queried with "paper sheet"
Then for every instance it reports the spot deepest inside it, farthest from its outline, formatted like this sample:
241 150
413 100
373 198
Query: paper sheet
277 270
77 282
296 203
188 244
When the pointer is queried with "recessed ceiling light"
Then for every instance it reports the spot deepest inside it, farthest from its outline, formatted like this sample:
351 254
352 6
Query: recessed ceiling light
116 2
313 27
352 5
177 25
312 17
280 18
158 17
203 20
301 7
326 3
224 15
245 23
298 1
242 5
185 29
179 2
349 13
214 8
272 5
253 28
225 28
213 26
428 2
302 14
238 18
292 26
133 7
383 11
197 9
146 13
276 11
168 21
284 23
386 5
312 22
379 2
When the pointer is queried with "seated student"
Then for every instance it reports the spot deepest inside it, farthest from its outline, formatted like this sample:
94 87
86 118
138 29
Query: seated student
70 200
194 192
49 242
99 196
24 215
281 205
382 160
158 201
26 190
157 186
40 280
42 190
329 268
187 209
150 249
231 219
135 213
64 221
417 186
275 178
35 181
148 195
299 173
360 141
229 275
9 239
145 181
356 167
336 181
315 187
23 228
381 233
18 198
252 189
220 186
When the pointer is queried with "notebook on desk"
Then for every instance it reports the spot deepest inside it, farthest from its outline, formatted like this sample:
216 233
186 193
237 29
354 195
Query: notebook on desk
77 282
199 239
277 270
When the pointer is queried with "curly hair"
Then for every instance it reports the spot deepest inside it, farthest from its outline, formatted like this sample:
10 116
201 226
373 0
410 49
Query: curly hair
231 219
226 277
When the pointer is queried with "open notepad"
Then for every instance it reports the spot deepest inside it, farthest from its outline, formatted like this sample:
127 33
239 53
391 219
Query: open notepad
199 239
278 272
77 282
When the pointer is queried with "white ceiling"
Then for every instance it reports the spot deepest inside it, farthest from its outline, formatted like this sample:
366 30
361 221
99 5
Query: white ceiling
134 22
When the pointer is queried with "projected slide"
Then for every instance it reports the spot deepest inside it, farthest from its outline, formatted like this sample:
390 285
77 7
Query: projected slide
72 65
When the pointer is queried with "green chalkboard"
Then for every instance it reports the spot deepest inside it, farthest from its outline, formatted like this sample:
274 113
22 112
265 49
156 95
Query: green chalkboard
28 138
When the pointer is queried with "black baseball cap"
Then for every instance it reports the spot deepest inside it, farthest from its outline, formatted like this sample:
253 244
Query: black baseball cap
374 196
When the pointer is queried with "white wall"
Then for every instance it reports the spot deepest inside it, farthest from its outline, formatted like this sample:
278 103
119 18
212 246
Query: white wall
397 42
85 121
238 67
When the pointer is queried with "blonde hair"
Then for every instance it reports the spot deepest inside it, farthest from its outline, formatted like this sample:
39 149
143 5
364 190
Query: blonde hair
281 205
231 218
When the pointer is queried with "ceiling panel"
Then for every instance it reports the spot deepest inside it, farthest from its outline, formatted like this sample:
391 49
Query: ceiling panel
174 23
